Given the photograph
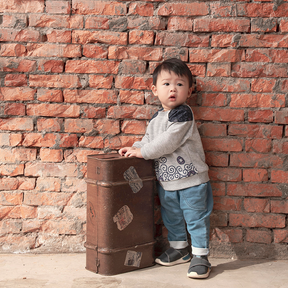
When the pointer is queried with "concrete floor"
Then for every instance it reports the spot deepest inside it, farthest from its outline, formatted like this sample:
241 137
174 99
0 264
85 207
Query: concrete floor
68 270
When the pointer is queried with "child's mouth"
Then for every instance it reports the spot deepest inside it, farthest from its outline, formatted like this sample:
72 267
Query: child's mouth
173 98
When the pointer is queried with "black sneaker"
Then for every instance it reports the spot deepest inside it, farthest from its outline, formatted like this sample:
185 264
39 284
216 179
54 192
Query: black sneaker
174 256
199 267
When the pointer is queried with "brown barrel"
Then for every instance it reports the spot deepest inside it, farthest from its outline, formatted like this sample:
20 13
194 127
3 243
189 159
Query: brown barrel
120 193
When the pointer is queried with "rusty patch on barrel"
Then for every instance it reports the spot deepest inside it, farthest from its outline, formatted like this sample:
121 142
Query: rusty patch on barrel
123 217
133 258
133 179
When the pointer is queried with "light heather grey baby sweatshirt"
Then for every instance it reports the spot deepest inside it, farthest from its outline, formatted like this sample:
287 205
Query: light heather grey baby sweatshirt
173 141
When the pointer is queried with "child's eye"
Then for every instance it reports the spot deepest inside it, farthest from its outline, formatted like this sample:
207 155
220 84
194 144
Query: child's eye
166 84
179 84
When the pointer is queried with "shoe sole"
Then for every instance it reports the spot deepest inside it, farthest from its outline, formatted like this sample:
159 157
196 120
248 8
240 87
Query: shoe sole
179 261
194 275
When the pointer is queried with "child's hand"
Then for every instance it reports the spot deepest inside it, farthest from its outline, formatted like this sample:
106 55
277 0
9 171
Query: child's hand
130 152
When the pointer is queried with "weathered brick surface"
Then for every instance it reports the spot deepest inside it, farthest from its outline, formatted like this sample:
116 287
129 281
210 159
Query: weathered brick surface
76 79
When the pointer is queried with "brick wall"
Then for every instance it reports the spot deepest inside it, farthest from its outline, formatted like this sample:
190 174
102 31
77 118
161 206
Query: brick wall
76 78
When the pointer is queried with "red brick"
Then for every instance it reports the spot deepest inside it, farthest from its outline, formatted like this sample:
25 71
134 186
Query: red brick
54 110
48 184
121 141
142 53
16 124
255 205
91 66
11 198
131 112
197 69
263 25
283 25
265 41
151 99
263 85
219 9
68 140
49 95
105 37
54 81
214 99
10 227
219 189
263 116
181 9
215 55
217 114
257 220
107 126
17 65
58 7
227 204
280 236
280 147
257 100
186 39
254 190
279 176
258 145
93 112
255 131
41 169
132 67
218 69
216 159
131 97
51 155
210 144
95 142
255 175
31 226
225 174
14 6
17 154
150 23
141 9
54 66
59 36
12 169
256 160
262 10
87 7
223 85
49 124
14 35
100 81
56 21
283 85
97 23
13 49
77 155
258 236
78 125
141 37
14 109
90 96
213 130
130 82
19 183
219 219
94 51
17 94
172 52
259 70
15 80
279 206
14 21
281 117
67 227
286 131
225 40
267 55
46 198
180 24
76 185
133 127
39 140
221 25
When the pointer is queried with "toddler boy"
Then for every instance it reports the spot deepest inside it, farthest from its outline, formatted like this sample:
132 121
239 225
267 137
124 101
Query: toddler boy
173 141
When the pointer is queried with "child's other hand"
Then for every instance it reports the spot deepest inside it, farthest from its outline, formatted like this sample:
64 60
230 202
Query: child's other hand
131 152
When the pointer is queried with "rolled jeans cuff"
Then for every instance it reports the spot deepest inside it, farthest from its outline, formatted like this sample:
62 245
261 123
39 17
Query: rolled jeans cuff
200 251
178 244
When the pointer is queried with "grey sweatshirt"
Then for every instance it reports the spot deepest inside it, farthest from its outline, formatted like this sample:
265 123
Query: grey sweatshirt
173 141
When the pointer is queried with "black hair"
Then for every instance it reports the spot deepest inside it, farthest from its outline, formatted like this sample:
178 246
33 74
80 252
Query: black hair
173 65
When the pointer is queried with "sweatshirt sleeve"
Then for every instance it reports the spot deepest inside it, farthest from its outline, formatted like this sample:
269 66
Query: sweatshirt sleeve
178 131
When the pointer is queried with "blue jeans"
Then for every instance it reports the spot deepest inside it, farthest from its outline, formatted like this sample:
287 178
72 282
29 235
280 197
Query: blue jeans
192 206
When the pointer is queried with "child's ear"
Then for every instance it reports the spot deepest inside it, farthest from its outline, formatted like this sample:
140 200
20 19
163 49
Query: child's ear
154 90
190 91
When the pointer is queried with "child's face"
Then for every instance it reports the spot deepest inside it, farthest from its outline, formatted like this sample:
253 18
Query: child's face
171 89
